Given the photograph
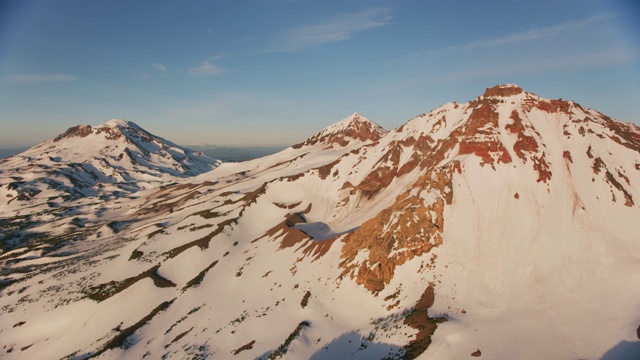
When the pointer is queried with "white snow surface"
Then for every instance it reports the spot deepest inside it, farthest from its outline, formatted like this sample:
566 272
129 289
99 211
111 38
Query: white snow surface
198 266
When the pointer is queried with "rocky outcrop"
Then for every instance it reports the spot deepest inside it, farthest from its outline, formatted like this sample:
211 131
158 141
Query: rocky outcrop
76 131
503 91
409 228
426 325
349 131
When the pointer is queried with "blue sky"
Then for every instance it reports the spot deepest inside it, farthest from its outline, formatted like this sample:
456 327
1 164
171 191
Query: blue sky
276 71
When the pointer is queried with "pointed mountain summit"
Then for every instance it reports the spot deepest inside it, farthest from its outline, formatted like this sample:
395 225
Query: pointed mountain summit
352 130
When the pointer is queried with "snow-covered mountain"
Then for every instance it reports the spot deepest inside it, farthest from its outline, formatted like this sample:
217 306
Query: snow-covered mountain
85 158
83 167
504 227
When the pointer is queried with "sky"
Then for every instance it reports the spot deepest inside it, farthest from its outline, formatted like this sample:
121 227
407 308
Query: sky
274 72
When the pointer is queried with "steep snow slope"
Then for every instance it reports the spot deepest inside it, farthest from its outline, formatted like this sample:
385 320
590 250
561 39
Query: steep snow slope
502 227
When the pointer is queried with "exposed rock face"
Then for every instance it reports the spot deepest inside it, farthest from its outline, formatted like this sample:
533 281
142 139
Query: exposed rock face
480 135
426 325
114 132
351 130
409 228
503 91
76 131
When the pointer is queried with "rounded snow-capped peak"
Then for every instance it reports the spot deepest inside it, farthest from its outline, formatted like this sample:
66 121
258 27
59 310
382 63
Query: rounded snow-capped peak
503 90
114 122
120 123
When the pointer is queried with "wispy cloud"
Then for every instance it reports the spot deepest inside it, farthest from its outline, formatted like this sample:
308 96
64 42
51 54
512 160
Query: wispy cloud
208 67
523 36
31 78
607 57
160 67
337 28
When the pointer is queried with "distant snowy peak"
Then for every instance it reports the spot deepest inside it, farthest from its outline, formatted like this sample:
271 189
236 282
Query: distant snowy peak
353 129
111 130
84 159
117 135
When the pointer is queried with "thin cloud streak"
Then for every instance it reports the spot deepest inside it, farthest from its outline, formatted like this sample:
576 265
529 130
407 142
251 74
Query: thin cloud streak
338 28
571 62
207 68
160 67
524 36
31 78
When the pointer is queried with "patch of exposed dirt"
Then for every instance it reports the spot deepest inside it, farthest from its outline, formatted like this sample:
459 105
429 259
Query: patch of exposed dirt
542 167
525 143
567 155
554 106
178 337
284 347
198 279
598 166
203 242
120 340
112 132
420 320
287 207
136 254
325 170
627 135
242 348
102 292
305 299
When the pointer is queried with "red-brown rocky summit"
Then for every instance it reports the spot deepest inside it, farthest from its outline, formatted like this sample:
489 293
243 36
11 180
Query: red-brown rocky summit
353 128
503 90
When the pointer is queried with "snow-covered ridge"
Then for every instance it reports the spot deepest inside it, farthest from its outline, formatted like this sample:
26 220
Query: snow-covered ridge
486 228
